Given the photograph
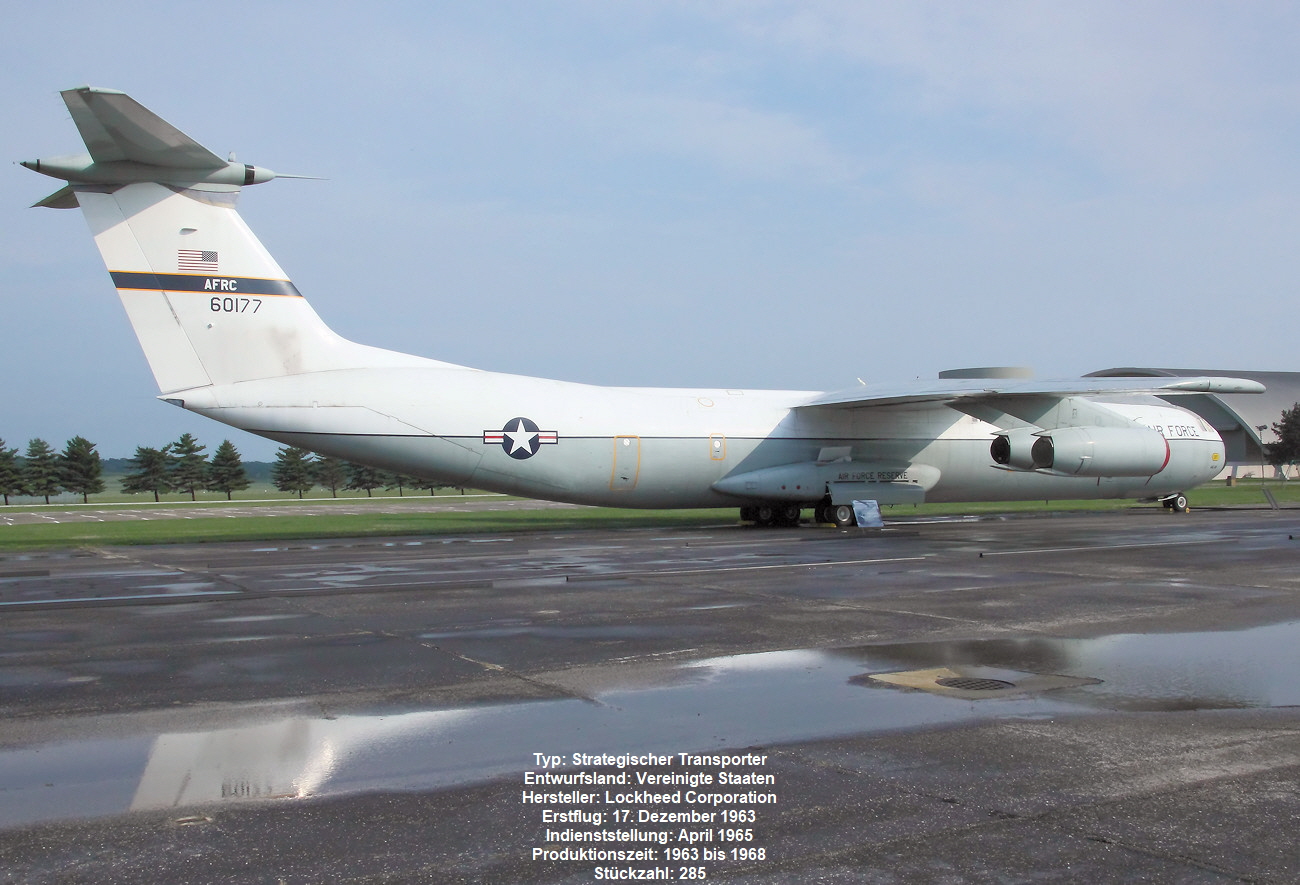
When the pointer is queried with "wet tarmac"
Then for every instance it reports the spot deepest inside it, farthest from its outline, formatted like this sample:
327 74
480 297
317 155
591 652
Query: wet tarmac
1112 697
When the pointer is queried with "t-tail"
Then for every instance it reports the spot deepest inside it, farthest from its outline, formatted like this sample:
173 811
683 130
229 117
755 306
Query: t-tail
208 303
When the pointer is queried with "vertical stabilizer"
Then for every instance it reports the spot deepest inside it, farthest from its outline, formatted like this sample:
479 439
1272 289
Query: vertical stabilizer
208 303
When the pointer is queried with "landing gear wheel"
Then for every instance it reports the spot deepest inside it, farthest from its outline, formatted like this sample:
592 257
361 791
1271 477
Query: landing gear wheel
821 514
1178 503
842 515
788 515
764 515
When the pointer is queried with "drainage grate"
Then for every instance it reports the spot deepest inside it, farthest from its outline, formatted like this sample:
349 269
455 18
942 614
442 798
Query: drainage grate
971 683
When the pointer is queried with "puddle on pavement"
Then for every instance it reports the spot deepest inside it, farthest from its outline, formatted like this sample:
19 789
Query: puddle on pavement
738 701
1150 672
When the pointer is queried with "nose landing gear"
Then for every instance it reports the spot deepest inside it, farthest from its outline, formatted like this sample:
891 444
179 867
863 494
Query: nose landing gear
1176 503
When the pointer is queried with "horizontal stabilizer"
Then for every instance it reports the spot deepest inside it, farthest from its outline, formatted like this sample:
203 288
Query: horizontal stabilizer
126 143
116 127
63 198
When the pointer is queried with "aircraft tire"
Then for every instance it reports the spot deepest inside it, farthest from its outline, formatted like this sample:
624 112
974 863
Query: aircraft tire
764 515
788 515
747 514
821 513
1178 503
842 515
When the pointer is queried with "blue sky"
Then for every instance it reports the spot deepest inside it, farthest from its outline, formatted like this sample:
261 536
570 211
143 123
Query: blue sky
738 194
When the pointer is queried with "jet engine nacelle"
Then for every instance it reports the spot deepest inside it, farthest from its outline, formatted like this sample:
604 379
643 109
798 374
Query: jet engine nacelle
1101 451
1013 448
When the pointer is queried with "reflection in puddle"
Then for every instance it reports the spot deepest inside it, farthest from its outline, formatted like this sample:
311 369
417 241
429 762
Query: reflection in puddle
1139 671
734 701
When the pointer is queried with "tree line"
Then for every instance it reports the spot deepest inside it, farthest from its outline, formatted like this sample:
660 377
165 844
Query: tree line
299 470
182 466
43 472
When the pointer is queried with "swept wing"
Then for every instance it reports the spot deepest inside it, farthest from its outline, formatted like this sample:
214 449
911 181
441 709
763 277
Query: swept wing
1013 402
953 392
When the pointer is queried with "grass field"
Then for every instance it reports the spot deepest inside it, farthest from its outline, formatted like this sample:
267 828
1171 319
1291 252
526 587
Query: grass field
207 525
210 528
257 492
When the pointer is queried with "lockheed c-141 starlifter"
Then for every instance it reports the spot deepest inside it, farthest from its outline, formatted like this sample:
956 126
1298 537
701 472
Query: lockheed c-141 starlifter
228 335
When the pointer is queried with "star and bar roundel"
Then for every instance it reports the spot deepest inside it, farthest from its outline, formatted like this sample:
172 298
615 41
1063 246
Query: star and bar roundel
520 438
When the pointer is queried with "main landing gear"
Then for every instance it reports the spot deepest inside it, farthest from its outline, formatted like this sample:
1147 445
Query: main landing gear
764 515
840 515
787 515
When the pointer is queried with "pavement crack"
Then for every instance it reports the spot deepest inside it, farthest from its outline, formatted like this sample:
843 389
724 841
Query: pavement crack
505 671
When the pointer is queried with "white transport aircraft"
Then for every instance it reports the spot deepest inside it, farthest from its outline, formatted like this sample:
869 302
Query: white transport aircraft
228 335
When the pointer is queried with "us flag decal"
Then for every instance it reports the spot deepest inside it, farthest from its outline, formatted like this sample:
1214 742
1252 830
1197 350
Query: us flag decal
196 260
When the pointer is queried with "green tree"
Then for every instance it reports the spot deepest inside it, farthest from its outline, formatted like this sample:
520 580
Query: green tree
330 473
1287 448
80 468
150 473
433 485
361 476
40 470
187 466
11 475
401 482
226 471
291 471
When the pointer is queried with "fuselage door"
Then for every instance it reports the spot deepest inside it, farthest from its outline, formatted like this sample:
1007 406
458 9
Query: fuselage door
717 447
627 463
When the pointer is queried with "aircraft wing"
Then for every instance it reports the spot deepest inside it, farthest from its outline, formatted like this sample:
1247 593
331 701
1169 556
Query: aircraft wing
1009 402
117 127
953 391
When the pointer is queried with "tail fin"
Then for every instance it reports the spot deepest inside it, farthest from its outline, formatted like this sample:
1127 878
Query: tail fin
208 303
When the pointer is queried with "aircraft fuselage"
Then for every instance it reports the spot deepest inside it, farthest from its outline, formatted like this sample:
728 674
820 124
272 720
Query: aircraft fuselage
657 447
